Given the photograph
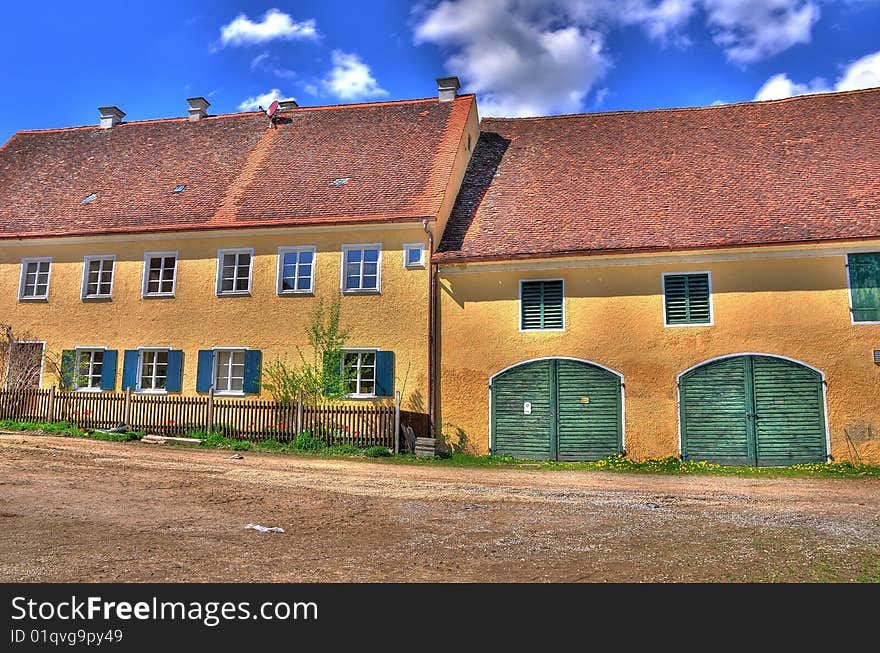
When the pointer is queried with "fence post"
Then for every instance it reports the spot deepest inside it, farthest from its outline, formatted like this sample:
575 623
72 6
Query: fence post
397 422
209 427
126 411
50 408
299 412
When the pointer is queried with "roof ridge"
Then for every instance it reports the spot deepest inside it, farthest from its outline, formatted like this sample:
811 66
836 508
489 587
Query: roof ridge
240 114
793 98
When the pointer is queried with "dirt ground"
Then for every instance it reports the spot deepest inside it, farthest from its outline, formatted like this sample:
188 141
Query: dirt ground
82 510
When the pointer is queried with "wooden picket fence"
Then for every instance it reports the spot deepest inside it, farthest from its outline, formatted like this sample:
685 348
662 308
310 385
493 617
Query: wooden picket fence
362 425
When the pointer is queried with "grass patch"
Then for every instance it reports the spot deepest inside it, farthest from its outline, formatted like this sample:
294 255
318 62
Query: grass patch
307 444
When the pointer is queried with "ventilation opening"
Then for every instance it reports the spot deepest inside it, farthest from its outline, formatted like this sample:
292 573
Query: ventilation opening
88 199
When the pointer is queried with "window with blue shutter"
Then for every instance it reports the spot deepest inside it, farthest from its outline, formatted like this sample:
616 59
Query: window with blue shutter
384 373
174 382
686 299
205 371
252 371
130 360
108 370
864 286
541 305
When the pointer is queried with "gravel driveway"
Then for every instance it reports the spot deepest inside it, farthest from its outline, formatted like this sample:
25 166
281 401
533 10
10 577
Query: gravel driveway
82 510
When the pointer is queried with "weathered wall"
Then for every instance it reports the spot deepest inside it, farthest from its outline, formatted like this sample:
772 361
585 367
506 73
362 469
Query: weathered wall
793 307
197 319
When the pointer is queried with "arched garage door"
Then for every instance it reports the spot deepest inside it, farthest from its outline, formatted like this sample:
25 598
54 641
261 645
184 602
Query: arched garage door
753 410
556 409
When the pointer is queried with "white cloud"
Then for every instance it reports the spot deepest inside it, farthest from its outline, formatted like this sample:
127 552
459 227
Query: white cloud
659 20
517 55
752 30
264 100
351 79
259 60
861 73
275 25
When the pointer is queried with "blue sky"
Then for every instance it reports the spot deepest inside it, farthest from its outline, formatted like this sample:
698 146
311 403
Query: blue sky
61 60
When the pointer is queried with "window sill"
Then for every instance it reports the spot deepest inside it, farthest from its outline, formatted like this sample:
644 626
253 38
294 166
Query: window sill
542 330
156 295
97 298
367 291
151 392
689 324
293 293
34 299
361 397
229 393
234 293
92 390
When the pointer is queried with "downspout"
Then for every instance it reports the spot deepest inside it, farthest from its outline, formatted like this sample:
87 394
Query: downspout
432 326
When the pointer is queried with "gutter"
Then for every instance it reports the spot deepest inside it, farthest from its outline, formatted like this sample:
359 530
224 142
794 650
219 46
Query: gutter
432 327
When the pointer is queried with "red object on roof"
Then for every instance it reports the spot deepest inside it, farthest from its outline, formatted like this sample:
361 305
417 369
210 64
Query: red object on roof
804 169
237 170
273 108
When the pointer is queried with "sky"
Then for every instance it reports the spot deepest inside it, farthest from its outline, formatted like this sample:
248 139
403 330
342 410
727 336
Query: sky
59 61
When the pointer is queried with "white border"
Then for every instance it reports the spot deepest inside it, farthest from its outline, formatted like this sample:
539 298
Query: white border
85 276
566 358
42 358
280 269
346 247
234 293
414 266
144 285
137 384
226 393
363 350
711 321
849 297
828 454
519 313
21 279
76 351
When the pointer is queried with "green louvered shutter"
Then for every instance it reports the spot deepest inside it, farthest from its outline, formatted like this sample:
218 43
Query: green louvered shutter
590 423
687 298
864 286
541 305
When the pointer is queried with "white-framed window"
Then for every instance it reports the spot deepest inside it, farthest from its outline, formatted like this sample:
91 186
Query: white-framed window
34 283
229 371
89 366
160 274
362 268
97 281
234 268
359 372
296 270
24 363
152 370
414 255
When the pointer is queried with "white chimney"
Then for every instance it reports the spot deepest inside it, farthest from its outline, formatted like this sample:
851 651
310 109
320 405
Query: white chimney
287 105
447 88
110 116
198 108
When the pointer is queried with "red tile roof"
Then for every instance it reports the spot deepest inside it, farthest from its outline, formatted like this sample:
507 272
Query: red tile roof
238 171
798 170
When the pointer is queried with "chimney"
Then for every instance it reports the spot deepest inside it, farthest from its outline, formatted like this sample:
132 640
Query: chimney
110 116
198 108
287 105
447 88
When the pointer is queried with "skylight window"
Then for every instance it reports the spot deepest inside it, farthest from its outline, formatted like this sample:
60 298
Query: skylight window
88 199
179 188
339 181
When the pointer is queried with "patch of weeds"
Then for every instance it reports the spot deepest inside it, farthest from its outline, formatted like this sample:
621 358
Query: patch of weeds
305 441
343 450
52 428
377 452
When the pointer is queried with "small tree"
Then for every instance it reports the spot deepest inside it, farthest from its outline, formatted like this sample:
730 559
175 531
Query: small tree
321 377
22 359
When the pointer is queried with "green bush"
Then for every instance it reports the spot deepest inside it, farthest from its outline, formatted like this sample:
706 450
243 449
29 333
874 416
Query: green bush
271 445
377 452
241 445
305 441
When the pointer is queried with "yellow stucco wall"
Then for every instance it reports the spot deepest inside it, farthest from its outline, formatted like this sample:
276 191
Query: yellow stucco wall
793 307
197 319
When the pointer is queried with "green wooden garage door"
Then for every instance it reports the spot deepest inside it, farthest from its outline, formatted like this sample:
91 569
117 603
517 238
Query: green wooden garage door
753 410
556 409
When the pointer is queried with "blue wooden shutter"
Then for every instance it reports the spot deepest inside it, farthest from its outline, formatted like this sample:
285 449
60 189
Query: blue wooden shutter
205 373
108 370
174 382
68 363
687 298
384 373
864 286
130 369
541 305
252 371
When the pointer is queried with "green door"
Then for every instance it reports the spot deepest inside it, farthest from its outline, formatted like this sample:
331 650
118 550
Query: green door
557 409
753 410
